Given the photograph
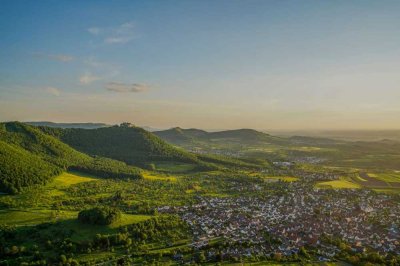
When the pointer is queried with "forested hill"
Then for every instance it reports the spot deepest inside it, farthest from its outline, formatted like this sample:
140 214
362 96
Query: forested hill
32 155
181 136
36 142
20 168
125 142
28 157
242 134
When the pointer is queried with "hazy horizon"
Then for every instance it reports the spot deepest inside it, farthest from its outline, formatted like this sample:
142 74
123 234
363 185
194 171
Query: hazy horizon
266 130
266 65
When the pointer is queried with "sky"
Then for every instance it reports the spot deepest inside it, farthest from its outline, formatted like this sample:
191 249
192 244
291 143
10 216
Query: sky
268 65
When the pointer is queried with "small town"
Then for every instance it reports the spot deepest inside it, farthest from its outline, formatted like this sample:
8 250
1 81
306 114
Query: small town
299 216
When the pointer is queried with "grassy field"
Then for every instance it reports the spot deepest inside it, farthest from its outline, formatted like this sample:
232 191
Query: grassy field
282 178
337 184
95 256
388 190
193 189
65 180
269 263
156 176
174 167
130 219
88 231
33 217
387 177
359 178
72 178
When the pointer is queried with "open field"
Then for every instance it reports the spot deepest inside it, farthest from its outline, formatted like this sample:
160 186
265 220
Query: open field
388 190
33 217
71 178
158 176
130 219
370 181
174 167
281 178
285 264
337 184
88 231
386 177
359 178
65 180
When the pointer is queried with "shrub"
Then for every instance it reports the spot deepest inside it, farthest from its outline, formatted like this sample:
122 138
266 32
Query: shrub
99 215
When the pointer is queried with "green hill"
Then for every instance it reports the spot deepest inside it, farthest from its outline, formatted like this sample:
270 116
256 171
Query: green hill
126 143
137 146
33 155
20 168
35 141
29 156
180 135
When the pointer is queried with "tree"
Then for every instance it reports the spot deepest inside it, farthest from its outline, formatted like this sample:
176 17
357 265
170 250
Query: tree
201 257
99 215
63 258
277 256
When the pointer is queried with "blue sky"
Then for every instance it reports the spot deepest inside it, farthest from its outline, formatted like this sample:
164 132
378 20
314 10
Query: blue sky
206 64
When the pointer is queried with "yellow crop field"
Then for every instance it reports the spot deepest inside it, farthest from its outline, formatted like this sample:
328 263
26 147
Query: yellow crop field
67 179
337 184
154 176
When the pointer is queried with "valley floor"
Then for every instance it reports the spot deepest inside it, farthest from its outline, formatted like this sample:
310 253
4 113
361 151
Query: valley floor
288 217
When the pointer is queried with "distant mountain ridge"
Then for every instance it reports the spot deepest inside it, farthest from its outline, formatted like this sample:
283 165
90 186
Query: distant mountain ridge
179 135
68 125
243 133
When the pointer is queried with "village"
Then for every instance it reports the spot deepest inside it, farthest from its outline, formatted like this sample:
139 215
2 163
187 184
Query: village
298 216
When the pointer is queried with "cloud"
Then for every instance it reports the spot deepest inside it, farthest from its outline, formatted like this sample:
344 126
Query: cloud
112 40
88 78
54 57
121 34
94 30
122 87
92 62
53 91
102 70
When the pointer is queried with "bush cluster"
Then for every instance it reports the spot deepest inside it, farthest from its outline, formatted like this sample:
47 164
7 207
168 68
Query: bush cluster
99 215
